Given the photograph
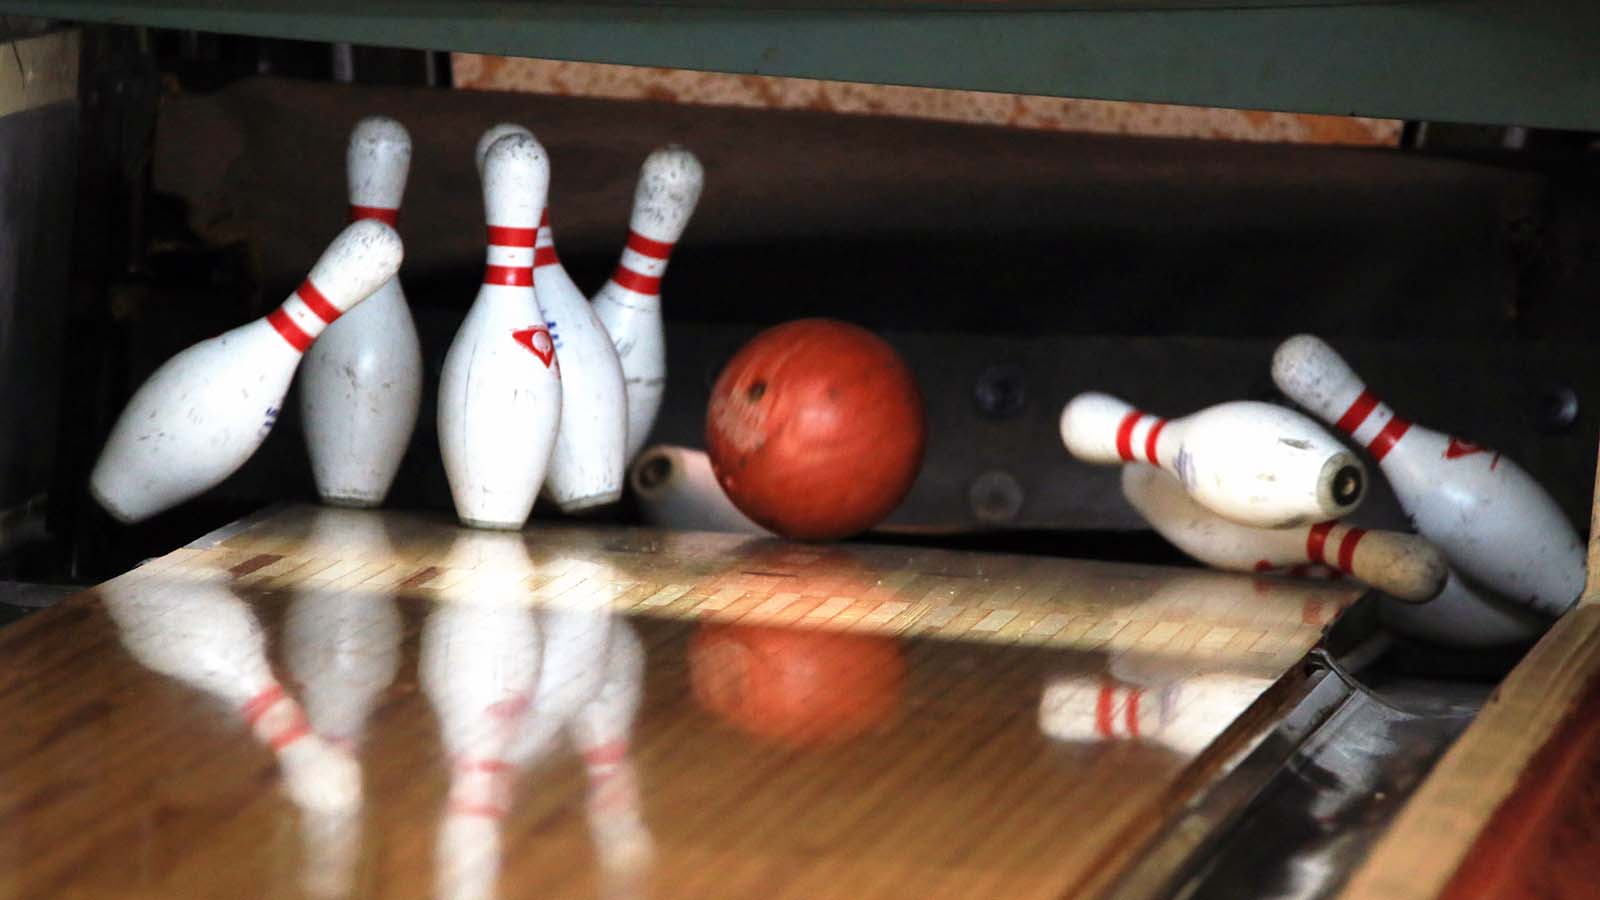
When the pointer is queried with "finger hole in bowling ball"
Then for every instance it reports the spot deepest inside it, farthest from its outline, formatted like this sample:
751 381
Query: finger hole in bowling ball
756 390
1347 486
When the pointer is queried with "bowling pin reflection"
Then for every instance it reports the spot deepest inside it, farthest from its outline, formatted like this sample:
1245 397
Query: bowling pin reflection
342 644
1146 700
190 626
509 683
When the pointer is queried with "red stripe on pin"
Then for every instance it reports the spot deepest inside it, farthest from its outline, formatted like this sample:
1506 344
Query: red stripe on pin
513 276
382 213
544 218
638 243
1133 712
506 236
257 706
290 332
636 282
1347 548
317 303
296 730
1125 435
1316 541
1388 437
545 256
1357 413
1151 439
1103 722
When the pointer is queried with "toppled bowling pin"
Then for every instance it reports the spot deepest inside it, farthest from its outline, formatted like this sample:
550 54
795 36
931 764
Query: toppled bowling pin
1494 523
500 388
1403 565
192 628
200 416
361 383
1251 463
629 304
677 489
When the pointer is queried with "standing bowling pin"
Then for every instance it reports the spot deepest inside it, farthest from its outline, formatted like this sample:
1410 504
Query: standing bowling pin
361 382
500 389
1403 565
587 466
629 305
1252 463
1495 524
200 416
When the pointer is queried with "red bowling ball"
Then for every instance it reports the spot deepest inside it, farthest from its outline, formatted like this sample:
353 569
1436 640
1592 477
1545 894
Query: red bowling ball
815 429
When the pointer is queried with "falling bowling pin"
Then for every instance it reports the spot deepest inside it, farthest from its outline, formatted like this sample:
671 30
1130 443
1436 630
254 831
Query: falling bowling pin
629 304
1251 463
1495 524
201 415
1403 565
361 383
500 389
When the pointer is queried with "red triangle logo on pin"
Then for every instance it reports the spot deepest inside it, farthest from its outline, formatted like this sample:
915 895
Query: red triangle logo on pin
1459 448
537 340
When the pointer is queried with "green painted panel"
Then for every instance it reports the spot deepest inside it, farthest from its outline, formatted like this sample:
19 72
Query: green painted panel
1523 62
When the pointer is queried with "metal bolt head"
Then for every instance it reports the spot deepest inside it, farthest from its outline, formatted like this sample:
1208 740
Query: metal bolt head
1001 391
995 496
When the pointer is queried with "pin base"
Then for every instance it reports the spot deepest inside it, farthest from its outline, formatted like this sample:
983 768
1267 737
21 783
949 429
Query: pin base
590 501
353 502
112 509
491 526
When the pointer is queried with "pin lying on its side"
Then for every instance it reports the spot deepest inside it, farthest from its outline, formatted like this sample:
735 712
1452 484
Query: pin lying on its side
361 383
1404 565
677 489
1492 520
1251 463
202 414
629 304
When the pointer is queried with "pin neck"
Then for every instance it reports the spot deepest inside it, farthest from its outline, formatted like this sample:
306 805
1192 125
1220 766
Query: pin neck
303 316
511 256
643 262
386 214
1362 417
1130 448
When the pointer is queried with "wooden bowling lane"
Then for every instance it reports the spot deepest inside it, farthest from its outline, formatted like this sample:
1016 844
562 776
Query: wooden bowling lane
613 712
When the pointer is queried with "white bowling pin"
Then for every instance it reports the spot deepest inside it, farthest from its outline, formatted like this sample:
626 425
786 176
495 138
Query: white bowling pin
361 383
1464 617
1403 565
201 415
677 489
586 468
500 389
629 304
1252 463
192 628
1494 523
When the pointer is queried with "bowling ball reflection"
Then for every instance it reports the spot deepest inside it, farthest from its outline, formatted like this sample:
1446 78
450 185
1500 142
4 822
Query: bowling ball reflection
796 688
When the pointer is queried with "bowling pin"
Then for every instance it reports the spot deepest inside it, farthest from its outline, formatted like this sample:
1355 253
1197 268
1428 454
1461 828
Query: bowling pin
361 383
1251 463
1464 617
1495 524
677 489
1403 565
629 304
500 389
191 627
586 468
202 414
